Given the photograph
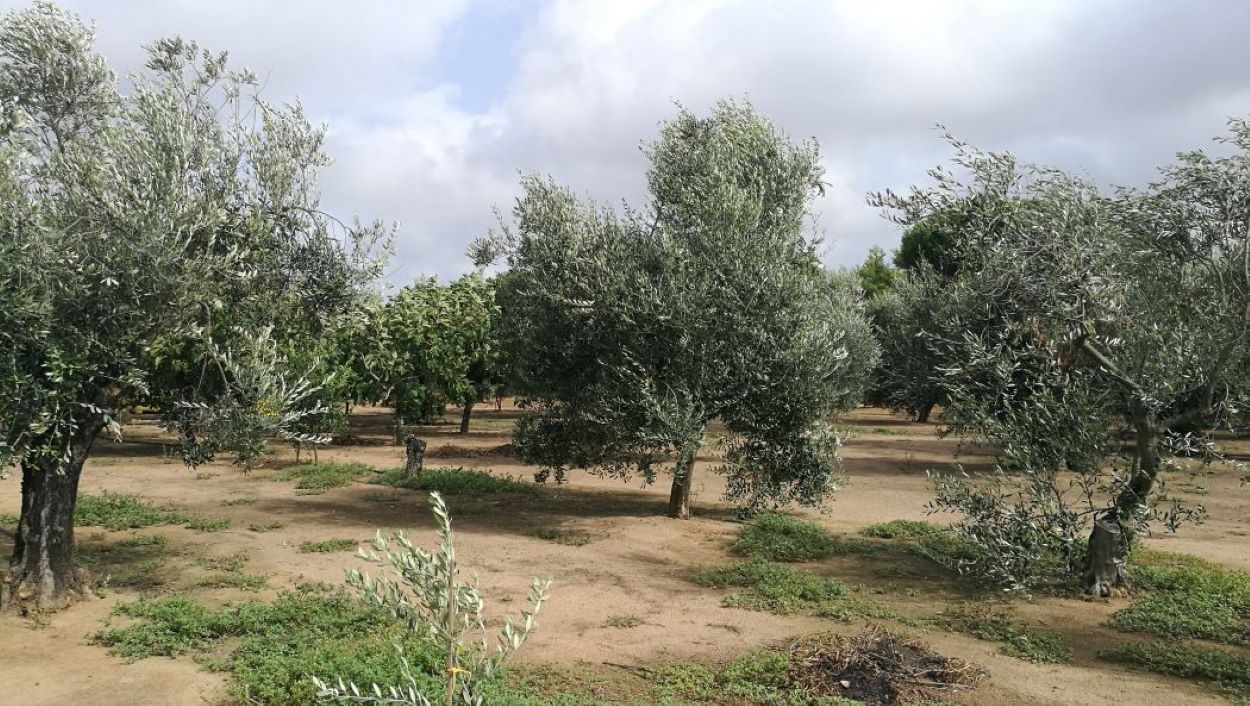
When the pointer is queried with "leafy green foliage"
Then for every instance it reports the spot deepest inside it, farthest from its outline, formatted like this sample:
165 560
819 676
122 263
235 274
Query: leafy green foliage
1186 597
902 529
987 623
876 277
116 511
1071 310
456 481
628 332
1230 670
775 537
162 246
430 344
423 593
321 476
327 546
772 587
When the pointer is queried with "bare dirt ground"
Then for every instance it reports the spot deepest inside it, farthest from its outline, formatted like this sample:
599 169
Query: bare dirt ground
638 563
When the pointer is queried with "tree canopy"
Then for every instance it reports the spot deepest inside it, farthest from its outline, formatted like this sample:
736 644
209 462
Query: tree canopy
177 221
628 332
1129 308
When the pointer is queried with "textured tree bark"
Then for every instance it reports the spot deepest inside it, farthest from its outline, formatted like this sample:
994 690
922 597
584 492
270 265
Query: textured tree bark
42 575
1103 574
1111 537
465 414
683 479
414 456
922 415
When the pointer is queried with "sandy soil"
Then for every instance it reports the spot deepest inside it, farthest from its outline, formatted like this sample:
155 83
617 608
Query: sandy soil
637 564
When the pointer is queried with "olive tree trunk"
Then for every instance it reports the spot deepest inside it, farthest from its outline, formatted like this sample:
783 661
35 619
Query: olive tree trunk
414 456
465 414
1112 535
42 575
683 480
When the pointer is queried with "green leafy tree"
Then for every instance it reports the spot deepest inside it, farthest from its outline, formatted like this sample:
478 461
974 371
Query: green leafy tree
178 222
1130 309
875 275
438 345
627 333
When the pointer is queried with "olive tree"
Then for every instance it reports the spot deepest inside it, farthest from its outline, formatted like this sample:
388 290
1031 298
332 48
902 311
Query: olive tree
1128 309
626 333
177 220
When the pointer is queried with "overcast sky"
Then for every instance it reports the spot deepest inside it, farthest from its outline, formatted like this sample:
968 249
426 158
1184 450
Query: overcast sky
435 106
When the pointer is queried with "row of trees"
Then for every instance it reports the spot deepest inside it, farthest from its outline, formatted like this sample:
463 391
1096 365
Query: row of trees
165 247
1052 320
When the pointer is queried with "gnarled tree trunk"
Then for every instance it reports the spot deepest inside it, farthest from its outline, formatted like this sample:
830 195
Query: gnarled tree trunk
414 456
1110 539
42 575
683 479
465 414
1103 573
922 414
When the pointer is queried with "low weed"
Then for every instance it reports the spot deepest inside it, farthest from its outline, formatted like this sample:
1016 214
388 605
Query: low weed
321 476
775 537
1182 596
571 538
456 481
1229 670
208 524
988 623
266 526
327 546
114 511
623 622
772 587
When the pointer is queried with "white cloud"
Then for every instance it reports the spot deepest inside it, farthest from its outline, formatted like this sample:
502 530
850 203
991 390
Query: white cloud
1111 87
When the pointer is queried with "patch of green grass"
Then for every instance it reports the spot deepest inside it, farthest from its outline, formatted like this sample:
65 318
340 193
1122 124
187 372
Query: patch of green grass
243 582
115 511
987 623
320 476
901 529
622 621
456 481
155 540
7 520
772 587
266 526
775 537
326 546
1229 670
571 538
271 649
1182 596
208 524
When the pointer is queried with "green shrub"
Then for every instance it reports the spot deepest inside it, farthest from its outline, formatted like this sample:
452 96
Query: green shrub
1229 670
320 476
775 537
456 481
1186 597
